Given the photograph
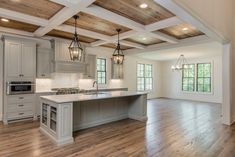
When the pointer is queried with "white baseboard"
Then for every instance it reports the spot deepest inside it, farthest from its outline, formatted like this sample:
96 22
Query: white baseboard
139 118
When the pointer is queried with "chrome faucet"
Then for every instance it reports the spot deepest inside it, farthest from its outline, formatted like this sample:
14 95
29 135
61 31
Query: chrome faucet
97 88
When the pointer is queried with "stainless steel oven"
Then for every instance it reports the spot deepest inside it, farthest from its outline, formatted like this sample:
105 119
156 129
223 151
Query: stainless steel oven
20 87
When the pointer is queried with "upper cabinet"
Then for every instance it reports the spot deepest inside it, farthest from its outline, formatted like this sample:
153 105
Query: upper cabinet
44 61
90 71
20 59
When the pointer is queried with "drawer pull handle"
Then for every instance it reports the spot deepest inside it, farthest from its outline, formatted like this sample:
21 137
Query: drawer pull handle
21 113
21 97
20 105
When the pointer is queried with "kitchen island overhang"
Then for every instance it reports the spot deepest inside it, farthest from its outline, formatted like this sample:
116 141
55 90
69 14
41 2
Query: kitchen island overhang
63 114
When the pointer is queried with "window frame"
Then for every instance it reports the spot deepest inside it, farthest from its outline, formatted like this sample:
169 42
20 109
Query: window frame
195 88
194 79
204 78
144 77
100 71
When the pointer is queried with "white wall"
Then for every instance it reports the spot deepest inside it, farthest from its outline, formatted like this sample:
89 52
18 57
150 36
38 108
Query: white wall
129 81
1 79
172 81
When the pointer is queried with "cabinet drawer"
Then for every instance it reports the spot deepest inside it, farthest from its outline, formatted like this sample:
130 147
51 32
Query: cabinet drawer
20 106
20 114
20 98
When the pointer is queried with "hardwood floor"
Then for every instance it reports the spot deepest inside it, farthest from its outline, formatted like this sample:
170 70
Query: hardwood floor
175 128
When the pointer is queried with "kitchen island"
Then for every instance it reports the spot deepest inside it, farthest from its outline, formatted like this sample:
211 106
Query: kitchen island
63 114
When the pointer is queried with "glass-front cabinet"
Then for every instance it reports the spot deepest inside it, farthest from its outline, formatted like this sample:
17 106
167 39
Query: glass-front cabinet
49 117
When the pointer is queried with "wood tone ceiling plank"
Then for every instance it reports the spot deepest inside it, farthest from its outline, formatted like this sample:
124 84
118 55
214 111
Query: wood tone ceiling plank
178 32
63 15
96 24
39 8
19 25
66 35
130 9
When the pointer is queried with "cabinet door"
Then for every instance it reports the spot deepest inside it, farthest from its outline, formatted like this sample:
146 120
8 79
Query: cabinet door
28 65
90 66
13 59
43 63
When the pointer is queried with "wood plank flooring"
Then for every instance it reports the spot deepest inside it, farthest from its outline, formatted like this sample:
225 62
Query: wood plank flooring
175 128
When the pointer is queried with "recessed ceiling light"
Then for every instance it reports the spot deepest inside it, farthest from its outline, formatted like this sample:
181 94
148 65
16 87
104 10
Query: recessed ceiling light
185 29
144 38
143 5
4 20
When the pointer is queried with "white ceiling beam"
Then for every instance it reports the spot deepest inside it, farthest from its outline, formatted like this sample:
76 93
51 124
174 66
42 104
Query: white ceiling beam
184 42
15 32
131 44
163 37
190 17
173 21
63 15
13 15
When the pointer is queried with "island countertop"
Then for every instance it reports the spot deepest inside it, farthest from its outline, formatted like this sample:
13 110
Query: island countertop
85 97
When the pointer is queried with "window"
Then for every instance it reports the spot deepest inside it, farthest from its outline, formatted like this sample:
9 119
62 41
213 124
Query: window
204 77
101 71
188 77
196 79
144 77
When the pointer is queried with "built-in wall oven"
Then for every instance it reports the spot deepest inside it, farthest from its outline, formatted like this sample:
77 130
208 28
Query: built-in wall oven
20 87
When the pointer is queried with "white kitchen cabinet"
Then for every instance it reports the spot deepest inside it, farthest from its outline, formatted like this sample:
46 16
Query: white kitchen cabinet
44 63
20 106
20 59
90 61
13 59
38 101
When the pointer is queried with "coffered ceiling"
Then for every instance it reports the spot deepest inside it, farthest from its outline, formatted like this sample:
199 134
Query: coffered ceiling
143 22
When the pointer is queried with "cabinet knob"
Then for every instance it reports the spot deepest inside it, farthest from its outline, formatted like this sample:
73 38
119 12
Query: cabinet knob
21 97
21 113
43 75
21 105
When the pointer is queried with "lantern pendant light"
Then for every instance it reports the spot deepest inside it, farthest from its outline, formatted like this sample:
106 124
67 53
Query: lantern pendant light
180 64
118 56
75 48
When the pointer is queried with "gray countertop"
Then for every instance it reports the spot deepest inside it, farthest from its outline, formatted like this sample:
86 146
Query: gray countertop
85 97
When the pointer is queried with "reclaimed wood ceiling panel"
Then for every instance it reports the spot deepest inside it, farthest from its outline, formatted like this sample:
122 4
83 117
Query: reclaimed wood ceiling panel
92 23
113 46
66 35
131 10
39 8
144 40
178 32
19 25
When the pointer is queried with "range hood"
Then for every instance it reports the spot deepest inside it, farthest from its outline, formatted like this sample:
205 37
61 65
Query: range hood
61 62
69 67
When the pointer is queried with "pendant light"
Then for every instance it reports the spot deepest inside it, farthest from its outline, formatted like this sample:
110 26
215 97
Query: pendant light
75 48
118 56
179 65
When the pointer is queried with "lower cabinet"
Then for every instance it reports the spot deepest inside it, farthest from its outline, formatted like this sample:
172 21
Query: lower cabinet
20 106
38 101
49 117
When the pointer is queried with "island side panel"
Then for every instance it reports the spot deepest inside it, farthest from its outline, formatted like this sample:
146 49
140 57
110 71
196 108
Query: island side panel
138 108
58 123
96 112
